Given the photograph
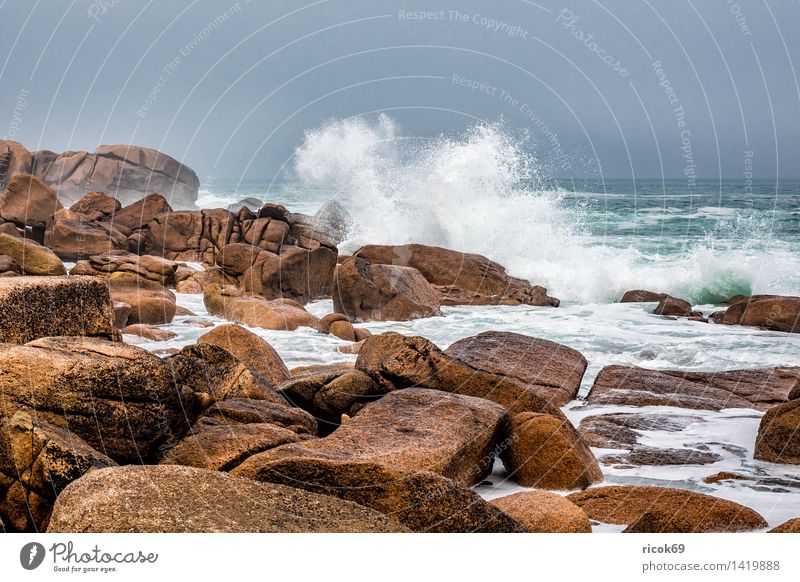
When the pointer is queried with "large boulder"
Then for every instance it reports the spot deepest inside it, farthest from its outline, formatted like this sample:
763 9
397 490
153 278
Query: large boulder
544 512
141 212
96 206
396 361
39 460
192 235
768 311
118 398
235 411
642 296
149 267
177 499
229 303
554 371
222 448
36 307
694 512
366 292
126 172
632 386
73 236
548 453
299 274
28 202
420 500
14 159
151 303
32 258
778 439
413 429
461 278
253 351
237 258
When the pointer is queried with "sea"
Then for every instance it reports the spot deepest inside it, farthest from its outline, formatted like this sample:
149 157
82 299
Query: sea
587 240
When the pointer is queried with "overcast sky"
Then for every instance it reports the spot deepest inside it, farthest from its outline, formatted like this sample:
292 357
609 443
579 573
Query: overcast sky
230 87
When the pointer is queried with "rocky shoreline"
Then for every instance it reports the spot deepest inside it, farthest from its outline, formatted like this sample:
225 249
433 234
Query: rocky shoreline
98 435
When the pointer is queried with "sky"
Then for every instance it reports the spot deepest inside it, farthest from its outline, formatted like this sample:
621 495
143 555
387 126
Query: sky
657 88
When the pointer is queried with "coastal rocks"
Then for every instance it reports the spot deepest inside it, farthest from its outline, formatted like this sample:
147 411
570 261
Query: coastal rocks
28 202
9 267
778 439
791 526
126 171
148 332
118 398
759 389
249 411
552 370
420 500
265 233
548 453
237 258
329 394
413 429
460 278
299 274
96 206
177 499
73 236
190 235
151 303
773 312
140 213
653 456
210 370
642 296
674 307
251 350
37 307
222 448
366 292
229 303
395 361
41 460
622 430
692 512
148 267
544 512
32 259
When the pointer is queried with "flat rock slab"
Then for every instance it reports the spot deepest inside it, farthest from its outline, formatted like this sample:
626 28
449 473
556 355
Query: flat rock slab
628 385
413 429
622 430
687 510
553 370
36 307
176 499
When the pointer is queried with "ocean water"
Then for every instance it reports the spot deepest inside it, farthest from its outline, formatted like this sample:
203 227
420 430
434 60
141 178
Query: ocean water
587 241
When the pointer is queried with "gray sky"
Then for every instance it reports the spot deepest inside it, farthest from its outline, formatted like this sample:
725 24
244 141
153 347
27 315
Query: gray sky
230 87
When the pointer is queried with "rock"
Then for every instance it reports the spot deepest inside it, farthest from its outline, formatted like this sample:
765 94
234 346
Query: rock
149 332
653 456
767 311
299 274
395 361
547 452
344 330
118 398
36 307
329 394
222 448
622 430
228 303
778 439
96 206
413 429
552 370
351 348
121 313
33 259
791 526
265 233
324 325
461 278
148 267
199 280
14 159
674 307
28 202
9 266
642 296
333 220
366 292
544 512
151 303
43 459
250 203
128 171
211 370
251 350
631 386
74 237
724 476
176 499
248 411
625 504
422 501
141 212
237 258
